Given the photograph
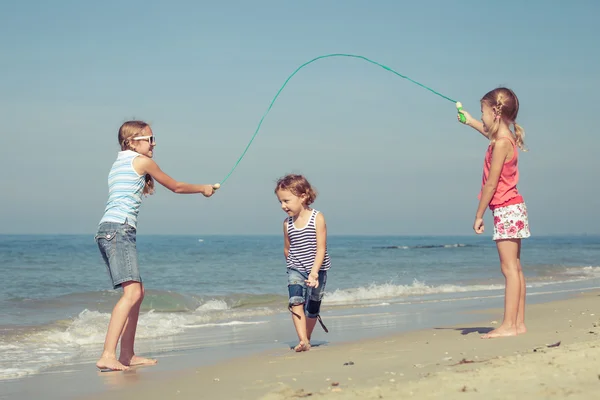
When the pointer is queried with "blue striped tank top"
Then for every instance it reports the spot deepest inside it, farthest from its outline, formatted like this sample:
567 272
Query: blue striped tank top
125 188
303 246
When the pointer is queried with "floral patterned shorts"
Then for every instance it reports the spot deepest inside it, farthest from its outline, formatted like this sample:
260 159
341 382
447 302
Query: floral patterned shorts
510 222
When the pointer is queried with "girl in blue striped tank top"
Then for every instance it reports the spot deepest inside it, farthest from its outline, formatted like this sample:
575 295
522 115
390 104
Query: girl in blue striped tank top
305 250
131 176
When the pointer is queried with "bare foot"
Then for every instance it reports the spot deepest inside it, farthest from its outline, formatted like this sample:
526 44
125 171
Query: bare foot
521 329
500 332
302 346
135 360
107 363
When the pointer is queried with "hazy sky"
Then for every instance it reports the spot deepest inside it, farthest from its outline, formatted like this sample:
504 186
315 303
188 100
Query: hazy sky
386 156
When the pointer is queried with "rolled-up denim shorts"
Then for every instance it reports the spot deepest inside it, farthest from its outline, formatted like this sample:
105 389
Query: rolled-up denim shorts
116 242
301 294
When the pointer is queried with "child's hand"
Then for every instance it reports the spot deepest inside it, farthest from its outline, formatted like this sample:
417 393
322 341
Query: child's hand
468 117
478 226
208 190
312 281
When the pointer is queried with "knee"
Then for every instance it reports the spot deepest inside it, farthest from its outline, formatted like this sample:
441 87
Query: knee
519 269
509 268
134 294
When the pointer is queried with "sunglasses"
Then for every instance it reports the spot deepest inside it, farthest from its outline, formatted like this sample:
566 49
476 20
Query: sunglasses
151 139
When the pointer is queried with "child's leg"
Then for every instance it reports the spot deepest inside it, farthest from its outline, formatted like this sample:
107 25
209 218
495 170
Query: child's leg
128 356
132 294
521 313
508 250
297 300
310 327
300 324
313 306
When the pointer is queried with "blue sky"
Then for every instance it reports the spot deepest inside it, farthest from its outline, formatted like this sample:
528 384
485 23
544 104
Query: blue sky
386 156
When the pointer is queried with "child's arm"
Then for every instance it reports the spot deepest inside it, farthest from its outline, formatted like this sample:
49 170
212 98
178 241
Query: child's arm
502 148
145 165
473 123
321 228
286 240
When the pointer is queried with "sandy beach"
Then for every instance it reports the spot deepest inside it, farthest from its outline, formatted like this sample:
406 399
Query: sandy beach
558 358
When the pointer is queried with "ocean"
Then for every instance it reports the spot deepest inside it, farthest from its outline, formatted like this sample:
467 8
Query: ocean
212 294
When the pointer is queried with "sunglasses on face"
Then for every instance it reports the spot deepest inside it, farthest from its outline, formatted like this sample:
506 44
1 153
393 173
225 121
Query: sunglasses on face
151 140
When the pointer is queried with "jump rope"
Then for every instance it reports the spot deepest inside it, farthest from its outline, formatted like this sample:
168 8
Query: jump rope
458 104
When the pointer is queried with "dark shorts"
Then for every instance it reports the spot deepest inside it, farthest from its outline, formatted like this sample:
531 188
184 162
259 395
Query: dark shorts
299 293
117 244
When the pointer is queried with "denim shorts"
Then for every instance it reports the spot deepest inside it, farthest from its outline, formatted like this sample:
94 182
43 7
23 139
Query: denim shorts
301 294
116 242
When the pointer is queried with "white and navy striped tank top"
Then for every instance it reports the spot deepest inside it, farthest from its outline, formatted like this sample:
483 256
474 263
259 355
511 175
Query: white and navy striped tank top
125 189
303 246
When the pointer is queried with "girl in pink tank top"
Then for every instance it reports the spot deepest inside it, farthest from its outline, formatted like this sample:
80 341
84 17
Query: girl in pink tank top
499 109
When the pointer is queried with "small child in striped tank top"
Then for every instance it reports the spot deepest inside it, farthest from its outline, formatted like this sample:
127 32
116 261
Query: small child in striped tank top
305 250
132 175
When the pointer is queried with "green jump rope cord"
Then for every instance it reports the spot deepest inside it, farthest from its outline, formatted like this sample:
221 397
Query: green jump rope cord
313 60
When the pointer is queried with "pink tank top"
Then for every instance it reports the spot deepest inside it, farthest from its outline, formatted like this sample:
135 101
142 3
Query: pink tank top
506 191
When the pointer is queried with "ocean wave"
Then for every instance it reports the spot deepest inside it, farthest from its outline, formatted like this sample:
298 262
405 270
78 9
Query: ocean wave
583 272
556 274
374 291
29 351
158 300
427 246
390 290
231 323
